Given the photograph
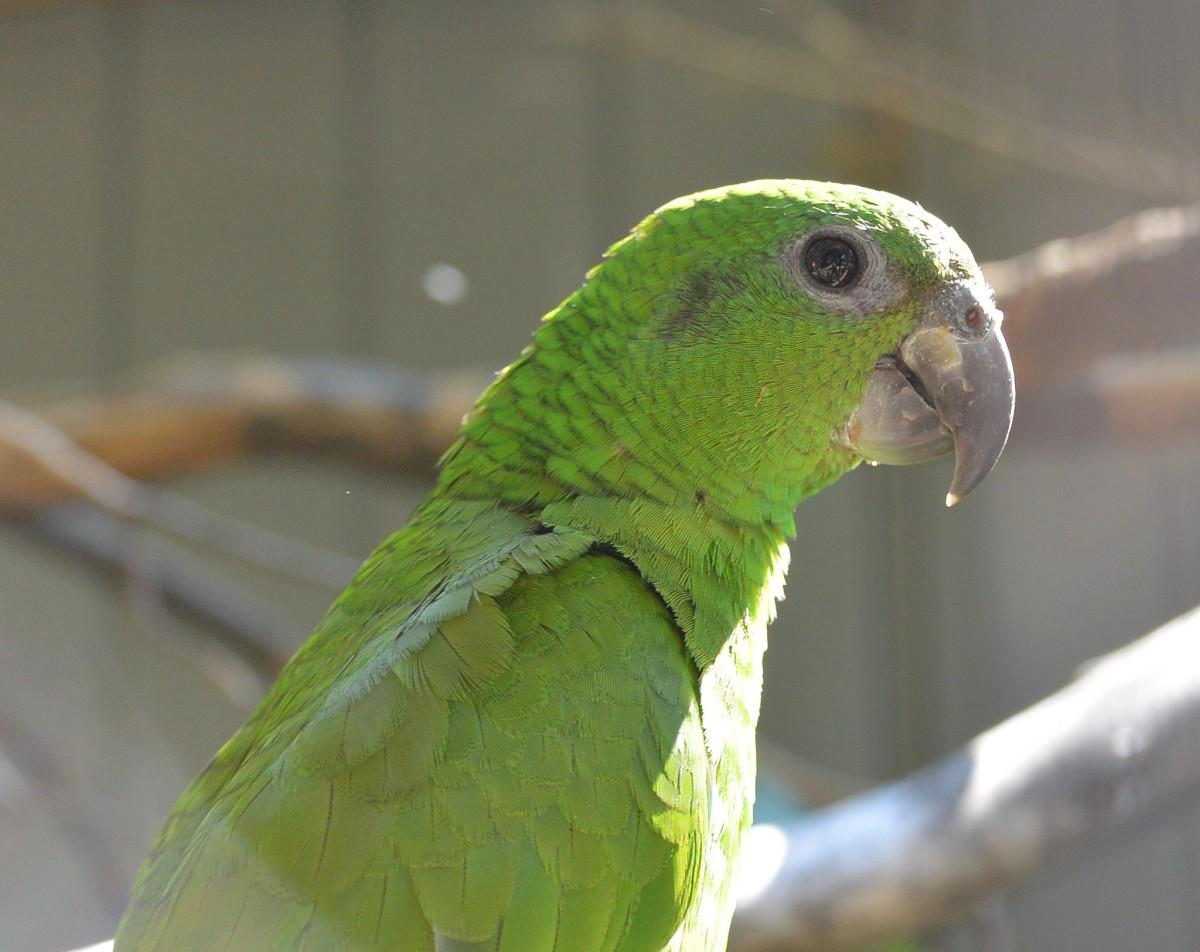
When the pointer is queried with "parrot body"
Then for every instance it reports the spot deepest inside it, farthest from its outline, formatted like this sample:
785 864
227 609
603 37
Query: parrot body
528 723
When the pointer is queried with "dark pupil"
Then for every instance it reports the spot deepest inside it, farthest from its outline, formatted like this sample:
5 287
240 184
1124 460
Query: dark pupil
831 262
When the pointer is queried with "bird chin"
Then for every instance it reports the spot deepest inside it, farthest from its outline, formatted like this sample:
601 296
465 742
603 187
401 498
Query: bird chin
894 423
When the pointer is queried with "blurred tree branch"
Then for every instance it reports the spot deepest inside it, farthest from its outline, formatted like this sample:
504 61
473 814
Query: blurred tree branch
841 62
1100 755
1103 330
70 468
236 619
198 412
1098 356
29 767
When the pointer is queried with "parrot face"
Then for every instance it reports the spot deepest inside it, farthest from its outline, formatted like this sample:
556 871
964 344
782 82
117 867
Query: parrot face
949 384
819 325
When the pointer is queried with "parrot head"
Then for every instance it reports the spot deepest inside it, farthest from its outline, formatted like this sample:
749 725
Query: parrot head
828 321
744 347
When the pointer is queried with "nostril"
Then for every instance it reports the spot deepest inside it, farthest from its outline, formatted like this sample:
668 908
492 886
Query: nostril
974 317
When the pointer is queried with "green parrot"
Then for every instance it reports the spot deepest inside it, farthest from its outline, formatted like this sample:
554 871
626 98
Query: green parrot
528 722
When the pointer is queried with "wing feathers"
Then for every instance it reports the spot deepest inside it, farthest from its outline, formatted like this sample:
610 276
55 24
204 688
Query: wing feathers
517 764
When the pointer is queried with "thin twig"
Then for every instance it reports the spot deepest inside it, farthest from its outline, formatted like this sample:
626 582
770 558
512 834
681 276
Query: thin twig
48 780
886 73
239 668
844 65
58 455
240 622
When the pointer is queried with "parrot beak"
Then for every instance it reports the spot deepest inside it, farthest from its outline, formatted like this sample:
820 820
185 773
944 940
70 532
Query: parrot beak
948 386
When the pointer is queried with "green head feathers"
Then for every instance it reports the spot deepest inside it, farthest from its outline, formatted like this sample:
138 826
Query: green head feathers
716 354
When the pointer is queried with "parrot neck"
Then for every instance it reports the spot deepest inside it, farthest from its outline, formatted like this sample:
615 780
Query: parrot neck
591 427
720 582
719 570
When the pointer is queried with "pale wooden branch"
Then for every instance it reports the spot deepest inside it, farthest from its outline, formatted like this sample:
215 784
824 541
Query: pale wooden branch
1128 288
198 412
1101 755
1105 752
1151 398
155 434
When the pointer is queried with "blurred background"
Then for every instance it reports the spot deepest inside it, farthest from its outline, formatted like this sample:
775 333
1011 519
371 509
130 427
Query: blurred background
416 183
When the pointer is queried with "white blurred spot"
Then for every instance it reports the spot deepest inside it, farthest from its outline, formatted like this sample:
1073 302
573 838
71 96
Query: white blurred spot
1128 741
444 283
762 856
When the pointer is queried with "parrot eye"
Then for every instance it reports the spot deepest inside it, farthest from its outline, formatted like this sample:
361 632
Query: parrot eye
832 262
844 268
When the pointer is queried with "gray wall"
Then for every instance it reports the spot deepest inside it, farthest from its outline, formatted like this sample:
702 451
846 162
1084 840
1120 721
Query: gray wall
279 176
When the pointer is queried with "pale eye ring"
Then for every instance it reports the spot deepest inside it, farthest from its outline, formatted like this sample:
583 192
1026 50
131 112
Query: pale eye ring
844 268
